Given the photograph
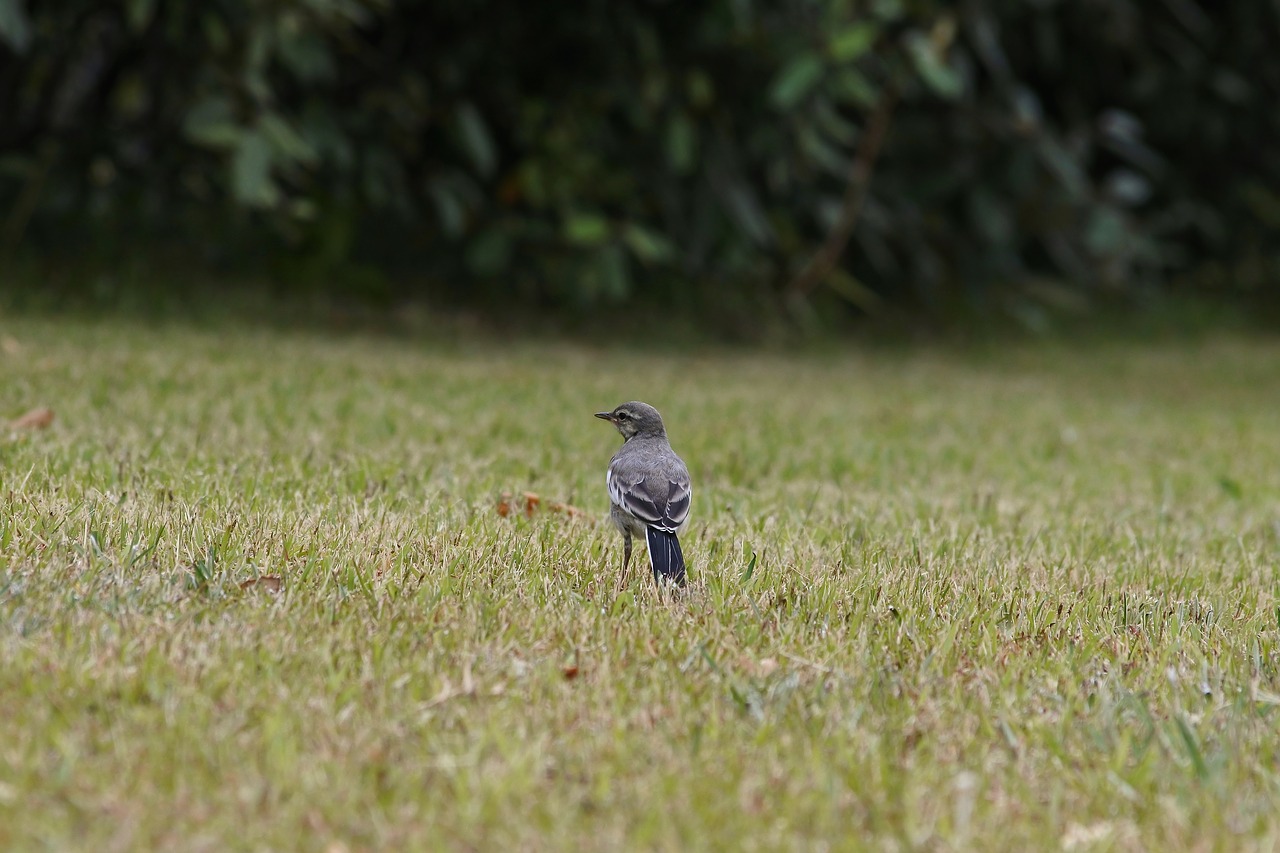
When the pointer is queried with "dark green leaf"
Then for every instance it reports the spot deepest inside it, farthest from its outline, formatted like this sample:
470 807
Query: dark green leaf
888 10
15 28
702 91
285 141
850 43
1127 187
833 124
615 277
854 291
852 87
990 217
257 57
139 13
326 137
1106 232
533 184
307 56
1064 165
586 229
682 144
476 139
822 152
211 122
930 63
648 246
215 32
251 181
795 81
745 210
449 207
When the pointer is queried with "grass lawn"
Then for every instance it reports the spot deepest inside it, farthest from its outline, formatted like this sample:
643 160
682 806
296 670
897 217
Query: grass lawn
1003 601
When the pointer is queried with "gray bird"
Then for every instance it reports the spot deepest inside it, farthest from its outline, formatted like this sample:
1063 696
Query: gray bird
649 489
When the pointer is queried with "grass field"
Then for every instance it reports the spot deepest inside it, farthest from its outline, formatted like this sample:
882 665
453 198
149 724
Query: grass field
1021 599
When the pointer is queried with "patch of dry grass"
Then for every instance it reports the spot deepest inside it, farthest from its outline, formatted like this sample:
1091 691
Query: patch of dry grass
989 602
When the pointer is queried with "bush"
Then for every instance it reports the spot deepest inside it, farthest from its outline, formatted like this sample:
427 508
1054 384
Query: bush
831 157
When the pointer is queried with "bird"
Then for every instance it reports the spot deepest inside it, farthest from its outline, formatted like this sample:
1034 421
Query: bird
649 490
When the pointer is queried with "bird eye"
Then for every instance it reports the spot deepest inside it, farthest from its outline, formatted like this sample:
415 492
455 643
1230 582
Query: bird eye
622 416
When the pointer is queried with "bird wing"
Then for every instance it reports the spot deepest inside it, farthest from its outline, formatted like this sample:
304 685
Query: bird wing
658 495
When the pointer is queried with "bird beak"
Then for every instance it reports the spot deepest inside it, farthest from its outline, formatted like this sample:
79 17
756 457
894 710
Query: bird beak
605 416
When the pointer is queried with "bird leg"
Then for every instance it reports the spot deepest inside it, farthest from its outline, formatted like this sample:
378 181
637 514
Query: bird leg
626 561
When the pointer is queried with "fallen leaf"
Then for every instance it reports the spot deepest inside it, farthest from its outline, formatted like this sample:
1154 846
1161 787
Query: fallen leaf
567 509
570 673
39 418
531 502
270 583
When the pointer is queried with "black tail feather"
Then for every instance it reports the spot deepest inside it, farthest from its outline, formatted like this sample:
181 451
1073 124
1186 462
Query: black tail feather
665 556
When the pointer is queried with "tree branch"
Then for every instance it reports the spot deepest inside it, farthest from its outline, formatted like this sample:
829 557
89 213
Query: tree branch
855 193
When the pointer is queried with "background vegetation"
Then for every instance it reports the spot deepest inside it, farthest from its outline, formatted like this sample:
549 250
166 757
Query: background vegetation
723 159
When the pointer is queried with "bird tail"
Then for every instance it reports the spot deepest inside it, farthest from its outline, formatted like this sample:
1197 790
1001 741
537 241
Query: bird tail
665 556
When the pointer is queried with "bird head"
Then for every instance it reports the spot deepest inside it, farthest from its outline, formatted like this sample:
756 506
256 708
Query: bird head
635 418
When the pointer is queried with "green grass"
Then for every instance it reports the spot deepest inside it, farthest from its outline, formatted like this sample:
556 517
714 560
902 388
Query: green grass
1026 599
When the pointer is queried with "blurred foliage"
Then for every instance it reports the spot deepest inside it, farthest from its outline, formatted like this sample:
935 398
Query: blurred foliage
1041 154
